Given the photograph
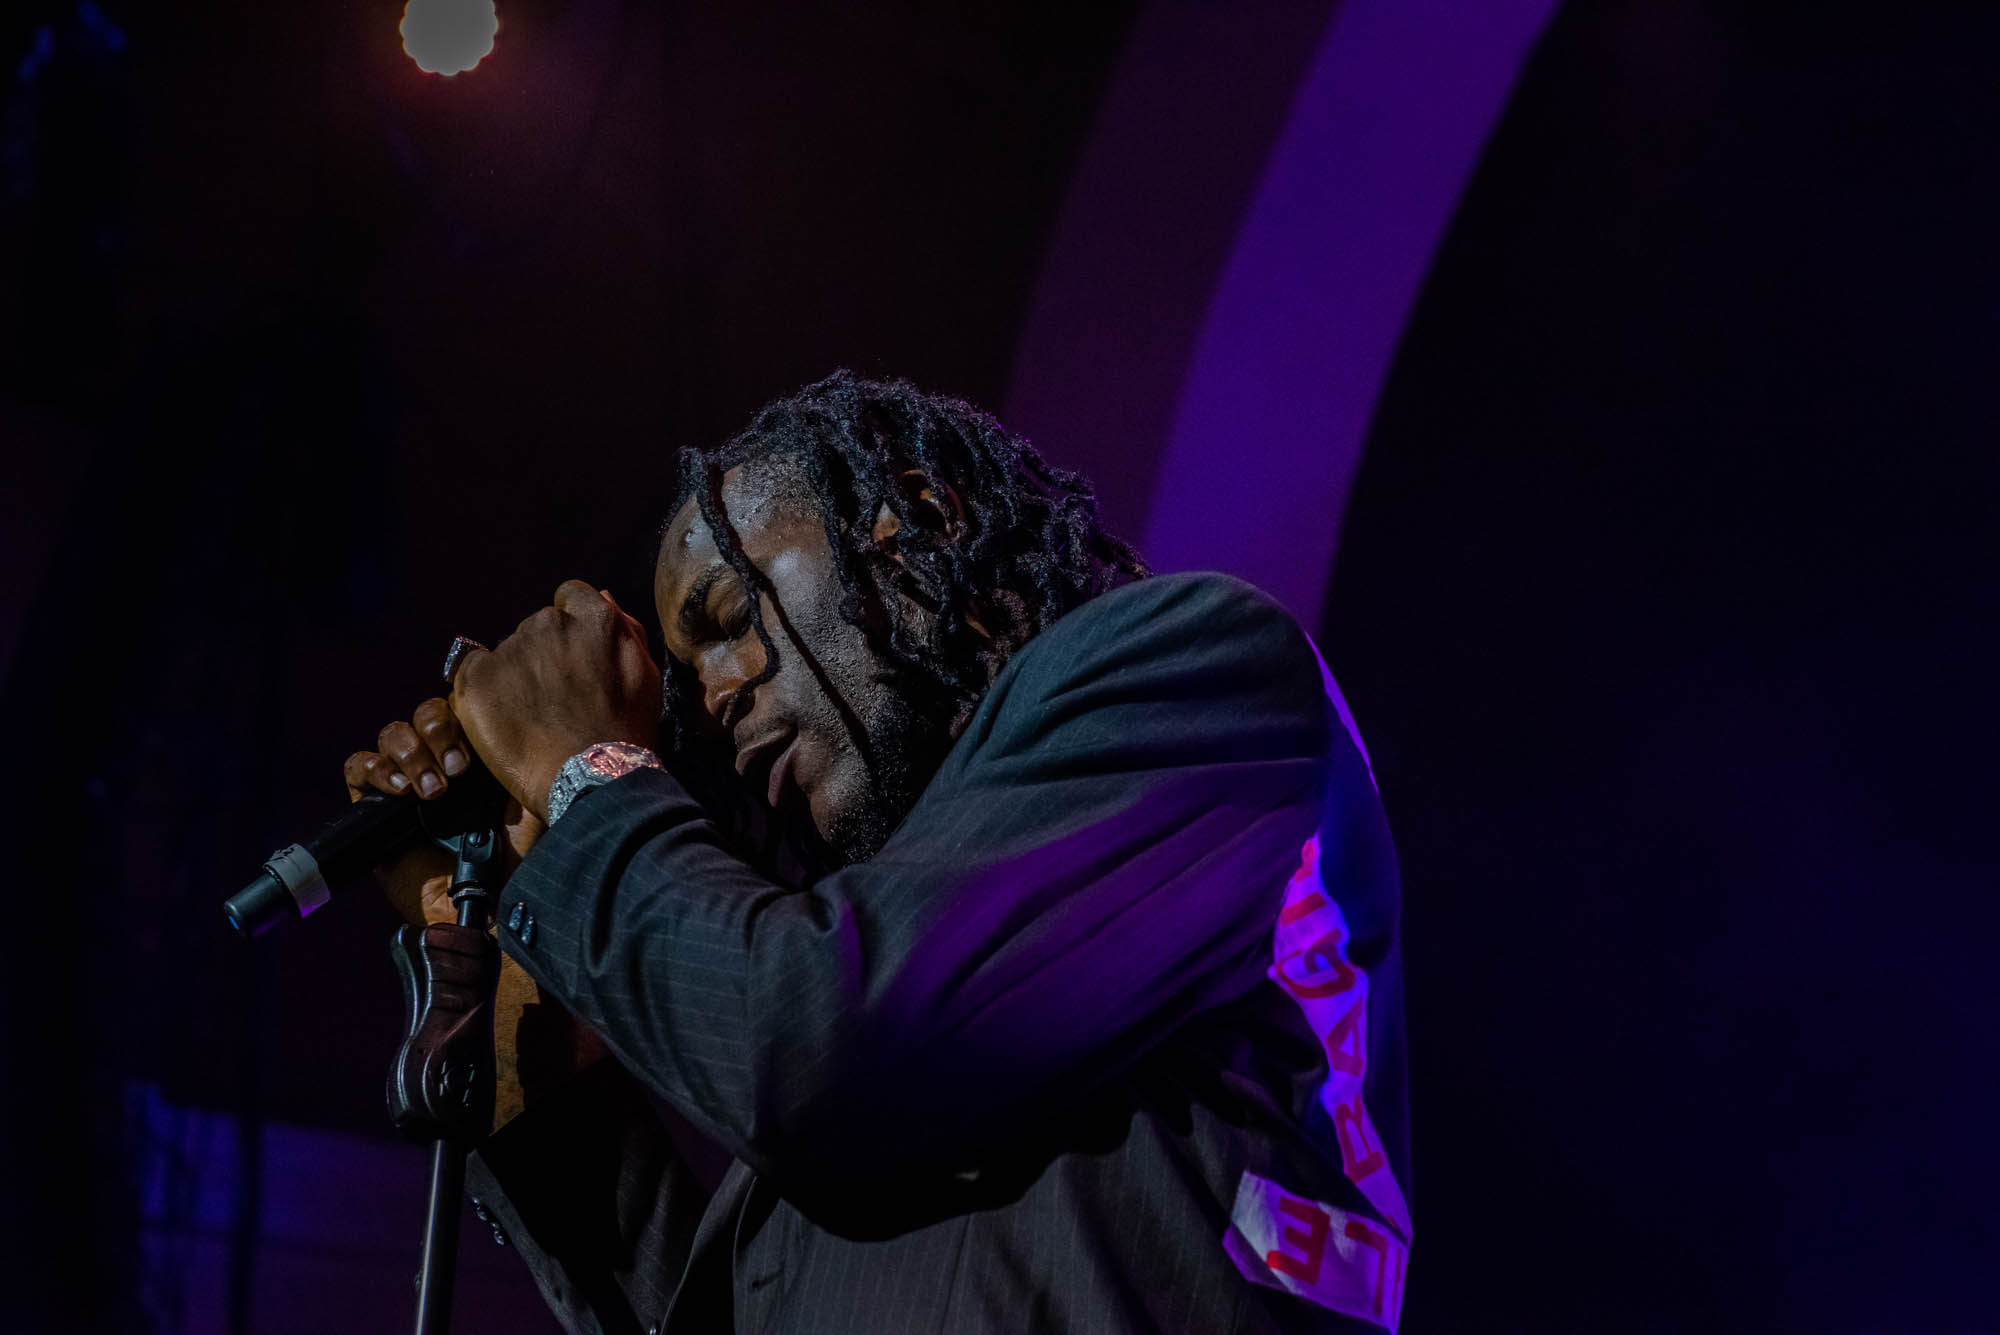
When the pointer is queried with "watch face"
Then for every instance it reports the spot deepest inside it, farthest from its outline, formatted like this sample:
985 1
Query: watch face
615 759
598 765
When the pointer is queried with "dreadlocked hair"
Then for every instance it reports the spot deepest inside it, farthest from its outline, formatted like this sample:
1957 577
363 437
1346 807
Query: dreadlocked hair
1027 548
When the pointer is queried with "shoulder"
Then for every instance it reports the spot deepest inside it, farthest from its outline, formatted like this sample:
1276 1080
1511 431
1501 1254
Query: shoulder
1184 591
1196 618
1191 644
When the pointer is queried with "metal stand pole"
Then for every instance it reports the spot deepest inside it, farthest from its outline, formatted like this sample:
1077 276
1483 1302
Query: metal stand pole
440 1263
441 1084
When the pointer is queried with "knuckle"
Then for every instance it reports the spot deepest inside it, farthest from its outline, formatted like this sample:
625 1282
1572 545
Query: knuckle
469 668
433 718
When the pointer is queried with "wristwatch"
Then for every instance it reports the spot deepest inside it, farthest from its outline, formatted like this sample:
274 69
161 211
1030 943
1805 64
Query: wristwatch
594 767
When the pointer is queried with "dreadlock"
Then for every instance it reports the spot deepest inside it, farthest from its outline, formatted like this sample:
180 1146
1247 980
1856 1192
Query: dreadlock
1030 548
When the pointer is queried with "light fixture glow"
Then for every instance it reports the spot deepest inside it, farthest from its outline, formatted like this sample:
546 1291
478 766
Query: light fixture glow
448 36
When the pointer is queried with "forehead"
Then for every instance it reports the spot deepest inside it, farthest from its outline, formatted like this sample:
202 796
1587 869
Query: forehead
748 505
759 507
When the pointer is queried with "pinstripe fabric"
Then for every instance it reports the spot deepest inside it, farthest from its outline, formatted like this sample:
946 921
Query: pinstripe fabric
1004 1076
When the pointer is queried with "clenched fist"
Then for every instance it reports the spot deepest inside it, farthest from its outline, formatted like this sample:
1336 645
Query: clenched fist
572 675
422 755
539 1045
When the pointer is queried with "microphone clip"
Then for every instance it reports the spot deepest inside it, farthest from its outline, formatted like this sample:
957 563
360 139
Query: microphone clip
441 1082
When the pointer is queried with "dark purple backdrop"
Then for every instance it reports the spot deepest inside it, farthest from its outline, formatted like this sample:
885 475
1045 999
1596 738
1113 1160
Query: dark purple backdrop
1664 589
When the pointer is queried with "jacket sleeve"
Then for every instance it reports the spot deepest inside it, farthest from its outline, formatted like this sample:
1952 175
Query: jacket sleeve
1100 857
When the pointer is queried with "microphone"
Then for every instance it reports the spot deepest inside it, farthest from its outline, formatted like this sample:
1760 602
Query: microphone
300 878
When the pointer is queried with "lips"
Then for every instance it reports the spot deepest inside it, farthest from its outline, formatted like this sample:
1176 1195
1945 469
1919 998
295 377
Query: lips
774 753
781 768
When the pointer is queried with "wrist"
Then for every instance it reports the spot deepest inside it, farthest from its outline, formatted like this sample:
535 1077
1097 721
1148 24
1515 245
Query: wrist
537 773
536 777
593 767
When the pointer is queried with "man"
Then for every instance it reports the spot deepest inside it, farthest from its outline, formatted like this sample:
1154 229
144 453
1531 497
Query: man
1041 973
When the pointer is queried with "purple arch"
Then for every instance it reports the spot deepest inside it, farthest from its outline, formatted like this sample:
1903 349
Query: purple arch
1273 390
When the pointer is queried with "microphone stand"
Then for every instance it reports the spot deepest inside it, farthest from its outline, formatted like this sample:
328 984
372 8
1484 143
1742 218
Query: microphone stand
441 1083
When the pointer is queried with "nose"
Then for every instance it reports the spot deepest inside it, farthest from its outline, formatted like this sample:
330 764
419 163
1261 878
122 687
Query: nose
721 684
718 698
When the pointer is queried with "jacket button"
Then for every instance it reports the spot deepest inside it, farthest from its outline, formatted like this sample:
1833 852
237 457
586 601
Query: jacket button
514 916
527 932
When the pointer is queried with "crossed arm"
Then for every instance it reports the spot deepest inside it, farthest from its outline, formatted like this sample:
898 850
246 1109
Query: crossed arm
1100 858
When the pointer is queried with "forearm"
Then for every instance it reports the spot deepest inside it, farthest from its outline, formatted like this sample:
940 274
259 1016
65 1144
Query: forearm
1099 858
904 1014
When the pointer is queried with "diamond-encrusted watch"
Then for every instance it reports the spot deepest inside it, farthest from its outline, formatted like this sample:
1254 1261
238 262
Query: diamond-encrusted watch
590 768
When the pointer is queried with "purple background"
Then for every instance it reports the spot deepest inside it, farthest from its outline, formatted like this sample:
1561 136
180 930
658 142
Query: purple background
1663 591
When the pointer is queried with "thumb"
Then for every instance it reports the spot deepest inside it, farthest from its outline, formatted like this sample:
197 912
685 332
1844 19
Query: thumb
581 600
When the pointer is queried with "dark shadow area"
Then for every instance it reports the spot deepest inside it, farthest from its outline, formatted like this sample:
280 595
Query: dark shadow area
312 362
1666 601
1665 597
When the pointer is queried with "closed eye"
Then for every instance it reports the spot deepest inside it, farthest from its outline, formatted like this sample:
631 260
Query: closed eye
734 620
728 619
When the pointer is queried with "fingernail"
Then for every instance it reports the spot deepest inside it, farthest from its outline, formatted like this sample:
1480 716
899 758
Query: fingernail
454 761
398 782
430 785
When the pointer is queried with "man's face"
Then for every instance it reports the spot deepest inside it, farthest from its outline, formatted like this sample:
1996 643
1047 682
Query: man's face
834 725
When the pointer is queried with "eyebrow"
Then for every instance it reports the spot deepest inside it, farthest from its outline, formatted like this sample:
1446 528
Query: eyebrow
694 607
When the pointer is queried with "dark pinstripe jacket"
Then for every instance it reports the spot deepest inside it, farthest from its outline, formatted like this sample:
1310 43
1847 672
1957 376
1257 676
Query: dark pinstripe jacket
1048 1062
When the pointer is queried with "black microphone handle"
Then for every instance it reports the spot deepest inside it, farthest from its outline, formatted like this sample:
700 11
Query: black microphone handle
298 879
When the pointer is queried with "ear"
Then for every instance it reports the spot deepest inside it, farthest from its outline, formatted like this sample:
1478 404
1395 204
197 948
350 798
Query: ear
933 507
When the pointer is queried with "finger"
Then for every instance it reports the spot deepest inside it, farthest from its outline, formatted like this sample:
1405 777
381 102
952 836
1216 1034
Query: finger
400 743
581 600
369 771
438 726
460 647
354 773
469 665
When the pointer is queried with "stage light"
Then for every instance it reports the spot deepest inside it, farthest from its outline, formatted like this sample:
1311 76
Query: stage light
448 36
